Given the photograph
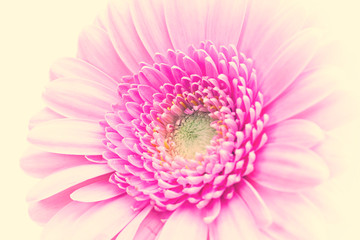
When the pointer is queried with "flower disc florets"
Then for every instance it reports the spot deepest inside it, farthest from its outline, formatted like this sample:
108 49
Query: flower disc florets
186 128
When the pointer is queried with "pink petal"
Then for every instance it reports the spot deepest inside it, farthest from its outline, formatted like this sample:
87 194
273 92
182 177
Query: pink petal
294 216
131 229
288 168
77 68
331 150
211 211
42 211
97 191
96 48
67 178
278 29
149 20
151 225
104 220
234 222
333 111
305 92
299 132
41 164
44 115
79 98
60 226
124 36
68 136
225 30
186 22
286 68
255 203
258 13
184 223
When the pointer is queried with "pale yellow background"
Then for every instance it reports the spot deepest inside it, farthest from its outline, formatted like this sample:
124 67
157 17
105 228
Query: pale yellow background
33 33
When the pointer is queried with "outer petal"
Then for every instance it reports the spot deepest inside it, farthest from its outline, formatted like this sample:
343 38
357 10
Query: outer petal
41 164
68 136
184 223
331 112
223 30
151 225
288 168
43 115
42 211
104 220
294 216
97 191
186 22
131 229
77 68
234 222
60 225
96 48
305 92
275 78
149 21
299 132
79 98
124 36
255 203
67 178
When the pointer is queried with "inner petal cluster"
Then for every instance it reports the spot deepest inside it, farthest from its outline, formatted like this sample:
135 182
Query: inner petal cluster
187 128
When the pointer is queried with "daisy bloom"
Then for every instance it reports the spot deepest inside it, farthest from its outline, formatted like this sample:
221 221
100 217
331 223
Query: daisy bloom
187 119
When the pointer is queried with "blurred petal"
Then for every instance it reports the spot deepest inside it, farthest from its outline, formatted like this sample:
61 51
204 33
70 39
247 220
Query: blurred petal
68 136
255 203
43 115
288 168
77 68
149 21
41 164
286 68
68 178
104 220
79 98
97 191
184 223
96 48
131 229
234 222
186 22
218 29
124 36
299 132
304 93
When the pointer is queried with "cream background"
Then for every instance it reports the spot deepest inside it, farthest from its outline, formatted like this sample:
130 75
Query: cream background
35 33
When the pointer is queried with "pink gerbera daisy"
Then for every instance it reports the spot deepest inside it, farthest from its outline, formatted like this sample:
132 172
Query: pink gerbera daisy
186 120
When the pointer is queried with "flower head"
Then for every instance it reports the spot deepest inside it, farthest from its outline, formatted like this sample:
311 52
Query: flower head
199 120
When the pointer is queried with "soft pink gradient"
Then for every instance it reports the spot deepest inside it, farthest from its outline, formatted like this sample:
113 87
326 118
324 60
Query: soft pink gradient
118 70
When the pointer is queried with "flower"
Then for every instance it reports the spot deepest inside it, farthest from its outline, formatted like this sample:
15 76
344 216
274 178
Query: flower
186 119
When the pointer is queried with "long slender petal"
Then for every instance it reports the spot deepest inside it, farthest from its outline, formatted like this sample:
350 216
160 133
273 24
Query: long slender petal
184 223
79 98
186 22
234 222
149 21
41 164
67 178
288 168
296 131
96 48
104 220
124 36
97 191
68 136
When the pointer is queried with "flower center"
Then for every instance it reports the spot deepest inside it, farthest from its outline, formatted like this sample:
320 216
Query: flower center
192 134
